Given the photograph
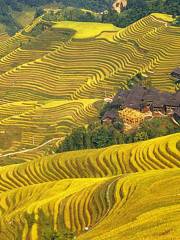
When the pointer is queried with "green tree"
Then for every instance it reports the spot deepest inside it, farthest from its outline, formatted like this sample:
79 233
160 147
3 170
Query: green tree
140 136
39 12
158 127
101 137
118 125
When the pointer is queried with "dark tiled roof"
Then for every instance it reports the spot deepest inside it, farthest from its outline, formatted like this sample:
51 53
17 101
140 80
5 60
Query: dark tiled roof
135 96
176 115
176 70
110 114
139 95
177 96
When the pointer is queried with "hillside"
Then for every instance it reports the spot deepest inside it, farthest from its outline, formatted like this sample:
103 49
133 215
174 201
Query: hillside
53 76
14 15
134 186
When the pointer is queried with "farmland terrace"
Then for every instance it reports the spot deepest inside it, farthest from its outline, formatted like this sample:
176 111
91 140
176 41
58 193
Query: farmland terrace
135 186
53 80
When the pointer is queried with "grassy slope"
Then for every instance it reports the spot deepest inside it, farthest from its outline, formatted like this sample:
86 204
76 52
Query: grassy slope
133 187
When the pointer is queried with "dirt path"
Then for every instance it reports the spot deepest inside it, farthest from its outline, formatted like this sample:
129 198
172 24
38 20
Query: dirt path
31 149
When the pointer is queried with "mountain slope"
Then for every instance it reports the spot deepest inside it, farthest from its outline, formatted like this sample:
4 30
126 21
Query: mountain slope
65 191
60 63
15 14
53 76
158 153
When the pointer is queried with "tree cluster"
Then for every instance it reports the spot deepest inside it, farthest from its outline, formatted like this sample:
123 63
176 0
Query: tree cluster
6 18
45 230
135 10
95 135
72 14
98 135
138 9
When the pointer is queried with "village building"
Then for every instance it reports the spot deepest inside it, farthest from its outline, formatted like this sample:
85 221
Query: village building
176 117
133 118
108 99
138 104
109 117
141 98
176 73
119 5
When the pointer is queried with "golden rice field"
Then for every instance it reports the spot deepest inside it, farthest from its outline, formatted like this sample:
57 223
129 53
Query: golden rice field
54 82
68 63
26 125
86 30
120 192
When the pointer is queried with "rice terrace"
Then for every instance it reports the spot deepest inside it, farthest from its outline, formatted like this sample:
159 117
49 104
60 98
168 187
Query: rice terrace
90 120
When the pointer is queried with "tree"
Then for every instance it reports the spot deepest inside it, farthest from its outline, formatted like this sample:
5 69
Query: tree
140 136
79 139
140 80
137 4
177 85
39 12
101 137
117 137
118 125
158 127
47 232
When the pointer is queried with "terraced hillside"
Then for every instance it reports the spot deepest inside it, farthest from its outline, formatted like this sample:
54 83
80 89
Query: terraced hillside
30 124
135 187
53 76
65 64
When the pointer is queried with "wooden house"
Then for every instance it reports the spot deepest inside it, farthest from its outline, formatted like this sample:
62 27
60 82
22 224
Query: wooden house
109 117
176 73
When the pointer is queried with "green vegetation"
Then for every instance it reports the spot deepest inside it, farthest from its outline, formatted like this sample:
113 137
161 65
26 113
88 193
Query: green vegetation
177 85
138 9
39 12
98 135
45 227
6 19
73 10
97 5
10 11
158 127
38 29
177 21
70 14
139 80
94 136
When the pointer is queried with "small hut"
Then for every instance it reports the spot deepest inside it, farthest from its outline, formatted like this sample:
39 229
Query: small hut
119 5
176 116
176 73
109 117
